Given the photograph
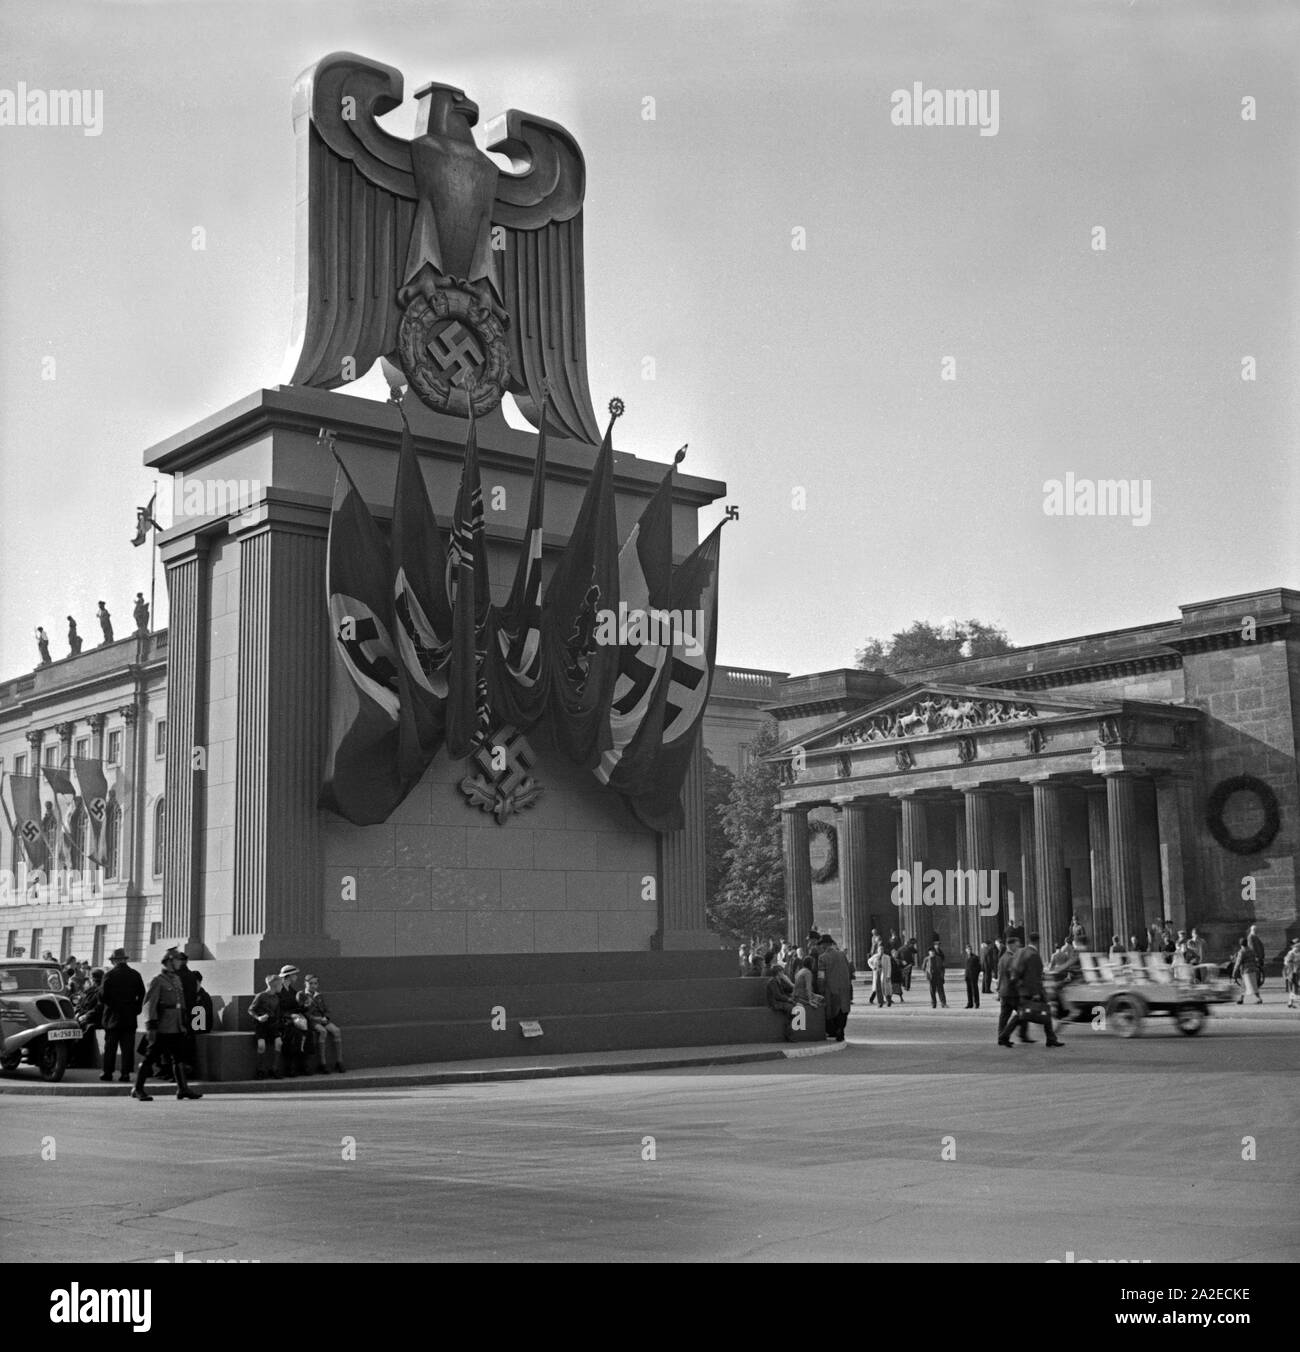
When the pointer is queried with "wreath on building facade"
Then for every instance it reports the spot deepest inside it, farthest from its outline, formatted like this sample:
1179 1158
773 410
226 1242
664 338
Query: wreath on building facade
1218 801
831 864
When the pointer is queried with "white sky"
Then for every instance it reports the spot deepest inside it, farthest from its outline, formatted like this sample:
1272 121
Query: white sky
815 370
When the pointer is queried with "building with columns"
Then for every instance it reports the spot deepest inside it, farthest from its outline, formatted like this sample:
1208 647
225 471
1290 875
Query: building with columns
109 704
1121 777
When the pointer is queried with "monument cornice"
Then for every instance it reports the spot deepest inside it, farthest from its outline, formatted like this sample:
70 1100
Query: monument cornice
374 423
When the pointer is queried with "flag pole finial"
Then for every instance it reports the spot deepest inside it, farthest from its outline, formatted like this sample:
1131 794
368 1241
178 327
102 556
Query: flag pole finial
681 453
616 407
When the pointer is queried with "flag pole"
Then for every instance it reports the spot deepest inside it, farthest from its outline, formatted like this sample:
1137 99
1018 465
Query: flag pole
153 562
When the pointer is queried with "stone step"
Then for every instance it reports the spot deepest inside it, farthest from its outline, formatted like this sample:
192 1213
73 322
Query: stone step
227 1056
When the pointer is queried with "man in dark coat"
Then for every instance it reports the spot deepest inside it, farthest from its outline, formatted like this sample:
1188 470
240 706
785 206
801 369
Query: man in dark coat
123 999
1008 998
190 985
971 970
293 1023
1028 972
988 966
833 968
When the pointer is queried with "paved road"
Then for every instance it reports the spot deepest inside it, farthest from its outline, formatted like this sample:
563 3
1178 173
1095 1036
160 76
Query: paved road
1116 1149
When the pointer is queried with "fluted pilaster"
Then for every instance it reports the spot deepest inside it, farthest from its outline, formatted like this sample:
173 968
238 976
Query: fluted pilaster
1049 855
798 871
979 856
1125 869
854 912
682 868
1103 926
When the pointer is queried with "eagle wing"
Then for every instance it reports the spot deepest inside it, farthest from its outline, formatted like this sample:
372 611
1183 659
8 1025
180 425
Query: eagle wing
540 210
355 210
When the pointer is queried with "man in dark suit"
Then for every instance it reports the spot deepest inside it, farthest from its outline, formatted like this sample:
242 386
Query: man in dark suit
123 999
1028 973
834 970
1007 997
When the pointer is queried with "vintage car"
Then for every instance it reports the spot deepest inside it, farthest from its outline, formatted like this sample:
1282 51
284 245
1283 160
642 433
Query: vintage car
1127 988
36 1019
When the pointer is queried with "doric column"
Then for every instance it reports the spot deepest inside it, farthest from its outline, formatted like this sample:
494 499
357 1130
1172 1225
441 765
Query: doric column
1049 855
854 911
1179 875
1102 928
187 682
1027 920
978 818
914 847
682 871
798 871
1125 870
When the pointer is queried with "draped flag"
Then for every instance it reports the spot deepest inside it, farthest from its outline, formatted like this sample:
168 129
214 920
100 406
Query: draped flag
513 652
65 807
144 522
644 637
687 677
422 615
24 793
92 789
468 716
580 671
362 780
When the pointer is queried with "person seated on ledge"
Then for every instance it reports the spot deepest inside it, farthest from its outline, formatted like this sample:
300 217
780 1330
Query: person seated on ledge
312 1004
781 996
265 1012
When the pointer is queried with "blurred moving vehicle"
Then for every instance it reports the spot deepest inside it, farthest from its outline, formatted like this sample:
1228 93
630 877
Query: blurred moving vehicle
36 1018
1131 987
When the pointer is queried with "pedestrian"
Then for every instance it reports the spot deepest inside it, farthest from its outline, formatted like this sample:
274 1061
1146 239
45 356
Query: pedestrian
743 957
973 968
1245 969
896 977
908 955
837 977
190 985
1077 932
294 1030
123 999
885 978
1034 1008
1008 993
1291 973
1136 945
89 1014
264 1010
1257 948
803 983
933 966
988 965
164 1005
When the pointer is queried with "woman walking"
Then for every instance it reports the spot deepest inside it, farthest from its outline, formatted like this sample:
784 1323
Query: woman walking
1245 968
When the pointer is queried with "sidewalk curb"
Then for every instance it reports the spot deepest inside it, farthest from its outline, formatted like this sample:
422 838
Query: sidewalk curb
313 1083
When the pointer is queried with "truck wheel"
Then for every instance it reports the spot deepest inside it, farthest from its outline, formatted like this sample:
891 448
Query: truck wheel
1190 1019
53 1061
1124 1015
9 1064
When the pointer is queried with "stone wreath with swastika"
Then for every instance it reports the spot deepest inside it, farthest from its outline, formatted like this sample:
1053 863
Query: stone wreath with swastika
449 338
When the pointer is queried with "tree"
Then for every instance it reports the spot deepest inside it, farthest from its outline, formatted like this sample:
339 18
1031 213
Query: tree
751 900
923 644
718 781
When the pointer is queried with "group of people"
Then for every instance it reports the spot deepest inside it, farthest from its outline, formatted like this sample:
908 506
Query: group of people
823 978
288 1023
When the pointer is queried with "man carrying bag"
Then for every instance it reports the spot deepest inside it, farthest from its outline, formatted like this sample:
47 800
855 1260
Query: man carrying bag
1027 972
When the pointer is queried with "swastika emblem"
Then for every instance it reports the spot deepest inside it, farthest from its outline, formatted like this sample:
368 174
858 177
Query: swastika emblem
31 831
503 784
455 351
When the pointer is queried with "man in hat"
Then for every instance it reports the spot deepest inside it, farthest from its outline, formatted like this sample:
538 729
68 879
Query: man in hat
190 985
294 1028
834 968
164 1007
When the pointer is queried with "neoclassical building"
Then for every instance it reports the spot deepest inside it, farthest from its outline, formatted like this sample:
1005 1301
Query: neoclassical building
1123 777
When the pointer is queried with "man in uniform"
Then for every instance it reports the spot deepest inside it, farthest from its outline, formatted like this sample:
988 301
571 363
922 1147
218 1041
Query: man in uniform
123 1001
834 967
1008 997
164 1010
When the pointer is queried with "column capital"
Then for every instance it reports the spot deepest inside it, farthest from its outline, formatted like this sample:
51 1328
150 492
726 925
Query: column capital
794 807
849 800
129 713
35 737
97 722
65 730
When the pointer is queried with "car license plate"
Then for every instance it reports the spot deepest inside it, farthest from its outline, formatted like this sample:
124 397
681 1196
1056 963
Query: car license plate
63 1034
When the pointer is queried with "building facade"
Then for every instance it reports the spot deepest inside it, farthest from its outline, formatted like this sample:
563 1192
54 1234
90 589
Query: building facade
1121 778
107 704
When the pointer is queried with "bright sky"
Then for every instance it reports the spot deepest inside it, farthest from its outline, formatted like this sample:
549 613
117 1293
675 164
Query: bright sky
872 491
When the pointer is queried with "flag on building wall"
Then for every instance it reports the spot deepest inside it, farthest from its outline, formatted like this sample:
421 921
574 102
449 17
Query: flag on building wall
688 676
24 794
468 715
580 672
421 613
645 638
92 790
362 780
513 651
65 809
